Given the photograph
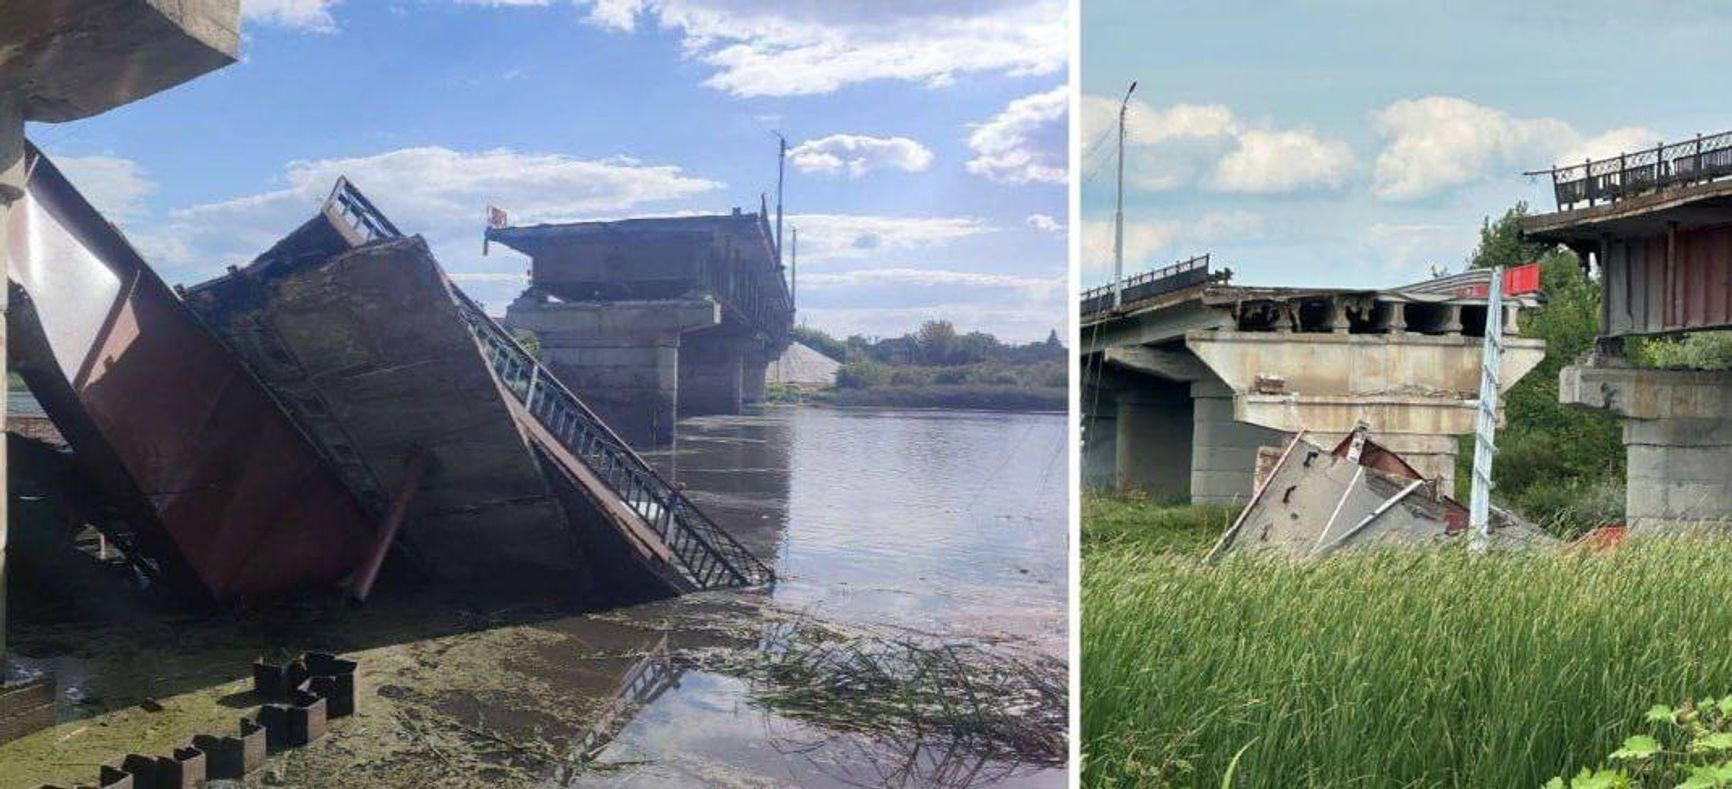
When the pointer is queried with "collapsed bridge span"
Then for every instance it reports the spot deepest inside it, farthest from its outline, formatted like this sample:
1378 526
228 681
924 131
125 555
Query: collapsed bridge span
369 344
279 429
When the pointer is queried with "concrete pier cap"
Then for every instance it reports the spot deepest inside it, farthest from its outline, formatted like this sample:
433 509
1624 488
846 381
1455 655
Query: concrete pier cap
1237 369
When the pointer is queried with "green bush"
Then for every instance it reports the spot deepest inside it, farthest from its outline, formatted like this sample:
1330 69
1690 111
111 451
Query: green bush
1689 747
861 375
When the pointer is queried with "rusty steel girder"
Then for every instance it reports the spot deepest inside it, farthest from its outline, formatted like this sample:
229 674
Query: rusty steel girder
227 497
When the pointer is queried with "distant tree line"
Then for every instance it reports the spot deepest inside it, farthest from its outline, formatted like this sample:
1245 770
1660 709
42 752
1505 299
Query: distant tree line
935 344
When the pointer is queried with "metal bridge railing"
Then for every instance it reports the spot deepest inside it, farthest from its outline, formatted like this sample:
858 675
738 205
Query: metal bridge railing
1618 177
707 554
1148 284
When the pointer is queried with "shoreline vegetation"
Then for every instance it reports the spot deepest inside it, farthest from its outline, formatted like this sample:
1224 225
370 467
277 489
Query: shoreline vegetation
1495 670
936 367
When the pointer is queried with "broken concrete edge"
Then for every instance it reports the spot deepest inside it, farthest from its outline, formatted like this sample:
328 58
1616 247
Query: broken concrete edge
72 65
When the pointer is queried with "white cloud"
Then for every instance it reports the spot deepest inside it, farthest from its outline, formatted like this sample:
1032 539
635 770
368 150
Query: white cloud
309 15
805 47
830 237
436 192
1209 145
859 154
1026 143
1406 251
1612 143
1045 223
1283 161
1154 243
1437 143
116 186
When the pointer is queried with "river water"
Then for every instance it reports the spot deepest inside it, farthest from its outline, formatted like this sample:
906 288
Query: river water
884 525
951 524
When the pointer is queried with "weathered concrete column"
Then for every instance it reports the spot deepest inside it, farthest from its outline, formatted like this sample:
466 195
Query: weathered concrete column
1100 430
712 373
1223 449
1153 444
1677 438
755 371
621 357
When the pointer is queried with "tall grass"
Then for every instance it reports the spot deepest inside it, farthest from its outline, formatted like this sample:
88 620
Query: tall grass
1400 669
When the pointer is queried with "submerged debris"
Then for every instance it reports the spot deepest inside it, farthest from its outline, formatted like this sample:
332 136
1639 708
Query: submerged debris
950 708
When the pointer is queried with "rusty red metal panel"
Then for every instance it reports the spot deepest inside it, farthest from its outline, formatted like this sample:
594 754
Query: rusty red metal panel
1677 281
221 485
1703 268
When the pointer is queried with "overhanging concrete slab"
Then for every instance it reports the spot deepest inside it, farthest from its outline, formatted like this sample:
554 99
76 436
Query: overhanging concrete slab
70 59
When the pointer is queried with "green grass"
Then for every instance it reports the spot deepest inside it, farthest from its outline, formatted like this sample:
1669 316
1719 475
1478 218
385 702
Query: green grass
1410 669
1112 519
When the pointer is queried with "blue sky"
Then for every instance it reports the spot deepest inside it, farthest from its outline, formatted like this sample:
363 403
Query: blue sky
927 176
1356 143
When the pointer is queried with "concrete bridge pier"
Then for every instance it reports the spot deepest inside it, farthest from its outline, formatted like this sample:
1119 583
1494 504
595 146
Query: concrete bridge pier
1677 438
712 373
1224 449
1152 448
626 359
757 372
1100 431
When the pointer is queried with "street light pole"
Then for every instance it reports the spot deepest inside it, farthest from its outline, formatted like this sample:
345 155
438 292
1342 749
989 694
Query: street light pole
1119 213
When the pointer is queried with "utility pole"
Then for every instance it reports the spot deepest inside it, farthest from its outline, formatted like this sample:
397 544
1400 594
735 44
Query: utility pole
781 167
1485 425
1119 213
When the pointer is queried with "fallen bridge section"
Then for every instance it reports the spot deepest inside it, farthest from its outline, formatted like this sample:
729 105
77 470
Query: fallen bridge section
224 494
359 332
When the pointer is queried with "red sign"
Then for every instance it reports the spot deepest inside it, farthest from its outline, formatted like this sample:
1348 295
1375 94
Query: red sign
1517 281
1521 279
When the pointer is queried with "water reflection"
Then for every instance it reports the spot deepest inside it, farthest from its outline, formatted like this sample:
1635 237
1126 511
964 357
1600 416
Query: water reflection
945 525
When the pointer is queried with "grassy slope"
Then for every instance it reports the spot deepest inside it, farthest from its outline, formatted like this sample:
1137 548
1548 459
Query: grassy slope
1408 669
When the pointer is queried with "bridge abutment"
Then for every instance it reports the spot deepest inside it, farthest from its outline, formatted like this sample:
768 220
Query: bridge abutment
1677 438
622 357
1153 442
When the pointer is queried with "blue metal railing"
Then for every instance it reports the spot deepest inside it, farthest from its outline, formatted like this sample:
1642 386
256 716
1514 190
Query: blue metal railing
706 554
